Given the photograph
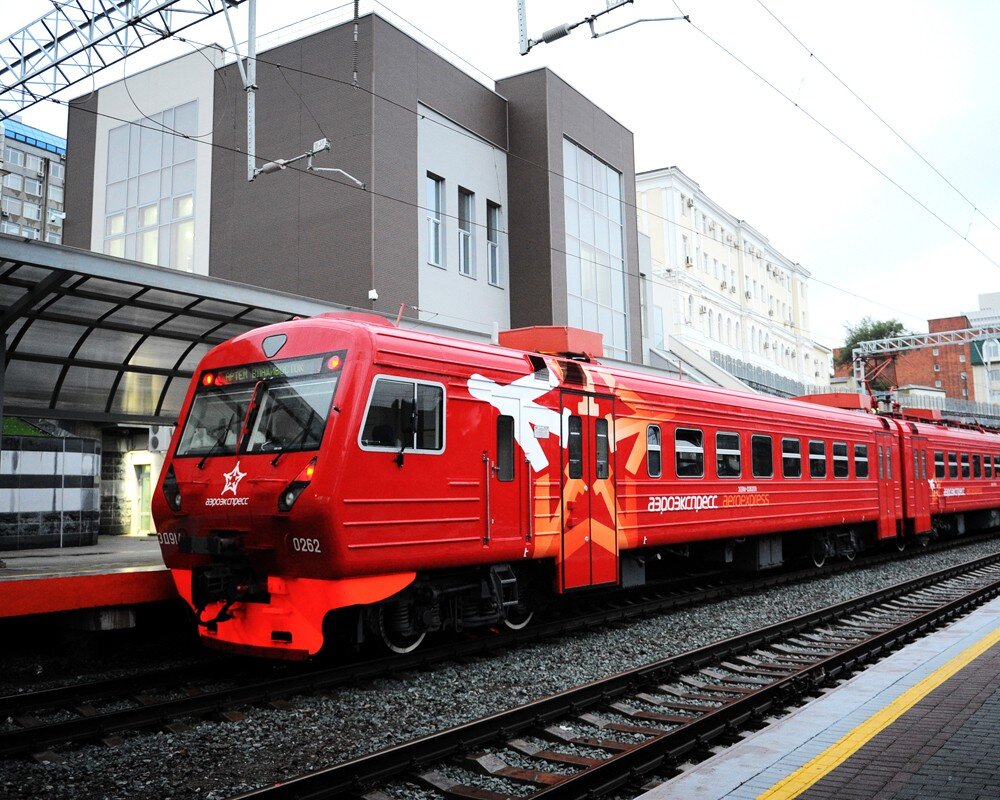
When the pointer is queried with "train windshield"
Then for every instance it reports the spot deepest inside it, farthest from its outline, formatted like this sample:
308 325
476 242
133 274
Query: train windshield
290 403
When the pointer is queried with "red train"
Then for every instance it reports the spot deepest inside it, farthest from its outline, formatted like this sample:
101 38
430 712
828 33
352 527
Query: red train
340 477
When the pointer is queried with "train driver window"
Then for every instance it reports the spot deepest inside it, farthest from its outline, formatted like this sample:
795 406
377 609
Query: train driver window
987 467
727 455
505 448
404 414
938 464
791 458
817 459
965 465
977 468
762 456
840 466
952 465
689 453
654 463
861 461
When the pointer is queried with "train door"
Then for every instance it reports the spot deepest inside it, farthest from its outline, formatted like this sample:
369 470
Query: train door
922 494
886 485
589 520
506 476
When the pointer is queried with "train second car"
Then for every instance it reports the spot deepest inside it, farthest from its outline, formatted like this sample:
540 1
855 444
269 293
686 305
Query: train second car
339 479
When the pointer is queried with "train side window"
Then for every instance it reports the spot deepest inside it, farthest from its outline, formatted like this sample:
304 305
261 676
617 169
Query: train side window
987 467
881 463
654 456
689 453
977 467
761 456
728 463
923 465
505 448
861 461
965 465
817 459
601 449
404 414
952 465
841 469
916 465
888 463
574 447
938 464
791 458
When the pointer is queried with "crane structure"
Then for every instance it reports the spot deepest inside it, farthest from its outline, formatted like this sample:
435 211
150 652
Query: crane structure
77 39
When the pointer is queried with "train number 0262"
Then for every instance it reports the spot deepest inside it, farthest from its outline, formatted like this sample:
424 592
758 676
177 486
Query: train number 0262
301 545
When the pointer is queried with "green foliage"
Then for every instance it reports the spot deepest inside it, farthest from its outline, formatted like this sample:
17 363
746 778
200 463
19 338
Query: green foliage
865 330
15 426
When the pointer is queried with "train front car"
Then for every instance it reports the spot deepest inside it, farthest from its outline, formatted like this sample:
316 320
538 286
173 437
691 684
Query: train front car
242 504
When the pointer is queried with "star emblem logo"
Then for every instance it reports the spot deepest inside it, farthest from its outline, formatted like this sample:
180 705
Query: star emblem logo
232 479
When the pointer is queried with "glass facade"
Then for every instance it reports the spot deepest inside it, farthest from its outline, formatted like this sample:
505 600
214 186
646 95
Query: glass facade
595 248
150 193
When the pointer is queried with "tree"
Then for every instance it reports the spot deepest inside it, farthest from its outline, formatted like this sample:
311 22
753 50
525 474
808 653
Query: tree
867 329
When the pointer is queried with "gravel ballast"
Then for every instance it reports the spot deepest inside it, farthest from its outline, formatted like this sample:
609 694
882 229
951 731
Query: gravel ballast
217 759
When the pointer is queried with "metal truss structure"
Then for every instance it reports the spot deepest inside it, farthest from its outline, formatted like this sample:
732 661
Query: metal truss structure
872 358
78 38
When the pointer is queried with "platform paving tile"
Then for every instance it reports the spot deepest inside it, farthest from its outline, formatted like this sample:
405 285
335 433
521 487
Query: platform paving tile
764 758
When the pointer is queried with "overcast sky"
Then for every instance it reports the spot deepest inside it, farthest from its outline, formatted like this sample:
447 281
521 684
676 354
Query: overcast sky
931 70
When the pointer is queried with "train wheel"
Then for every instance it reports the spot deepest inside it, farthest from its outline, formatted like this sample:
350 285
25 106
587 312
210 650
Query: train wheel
395 640
518 617
851 553
819 552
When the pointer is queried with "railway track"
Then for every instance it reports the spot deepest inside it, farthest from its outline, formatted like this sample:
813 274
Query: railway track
607 734
103 709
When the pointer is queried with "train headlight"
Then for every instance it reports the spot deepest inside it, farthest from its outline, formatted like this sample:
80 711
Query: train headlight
171 491
291 493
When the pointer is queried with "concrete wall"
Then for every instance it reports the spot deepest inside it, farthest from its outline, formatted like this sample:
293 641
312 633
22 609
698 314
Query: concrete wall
48 492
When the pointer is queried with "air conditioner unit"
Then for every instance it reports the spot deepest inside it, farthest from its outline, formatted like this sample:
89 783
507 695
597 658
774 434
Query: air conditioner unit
770 313
703 309
748 295
688 262
732 289
711 226
724 286
729 237
690 203
767 345
159 438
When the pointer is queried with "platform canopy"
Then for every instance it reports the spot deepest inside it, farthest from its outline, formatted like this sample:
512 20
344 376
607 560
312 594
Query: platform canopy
100 339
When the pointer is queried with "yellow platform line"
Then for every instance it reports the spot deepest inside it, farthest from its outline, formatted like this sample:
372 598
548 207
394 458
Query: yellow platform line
837 753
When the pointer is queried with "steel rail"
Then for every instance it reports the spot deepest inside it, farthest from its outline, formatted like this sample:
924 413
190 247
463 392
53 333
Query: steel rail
364 774
609 607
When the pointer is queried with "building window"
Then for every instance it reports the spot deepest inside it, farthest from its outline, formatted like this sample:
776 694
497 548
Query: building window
934 352
11 206
466 242
13 181
31 233
55 194
57 171
595 260
32 163
10 227
937 367
435 222
13 157
659 334
937 384
493 243
33 187
53 238
32 211
961 359
148 168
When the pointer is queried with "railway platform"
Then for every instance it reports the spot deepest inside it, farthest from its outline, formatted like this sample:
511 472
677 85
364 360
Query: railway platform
115 573
923 722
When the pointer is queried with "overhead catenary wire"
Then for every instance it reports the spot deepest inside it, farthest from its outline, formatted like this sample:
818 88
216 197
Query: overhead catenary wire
630 276
975 208
839 139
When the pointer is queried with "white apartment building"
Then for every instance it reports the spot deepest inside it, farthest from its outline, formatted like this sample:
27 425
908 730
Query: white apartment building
718 285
